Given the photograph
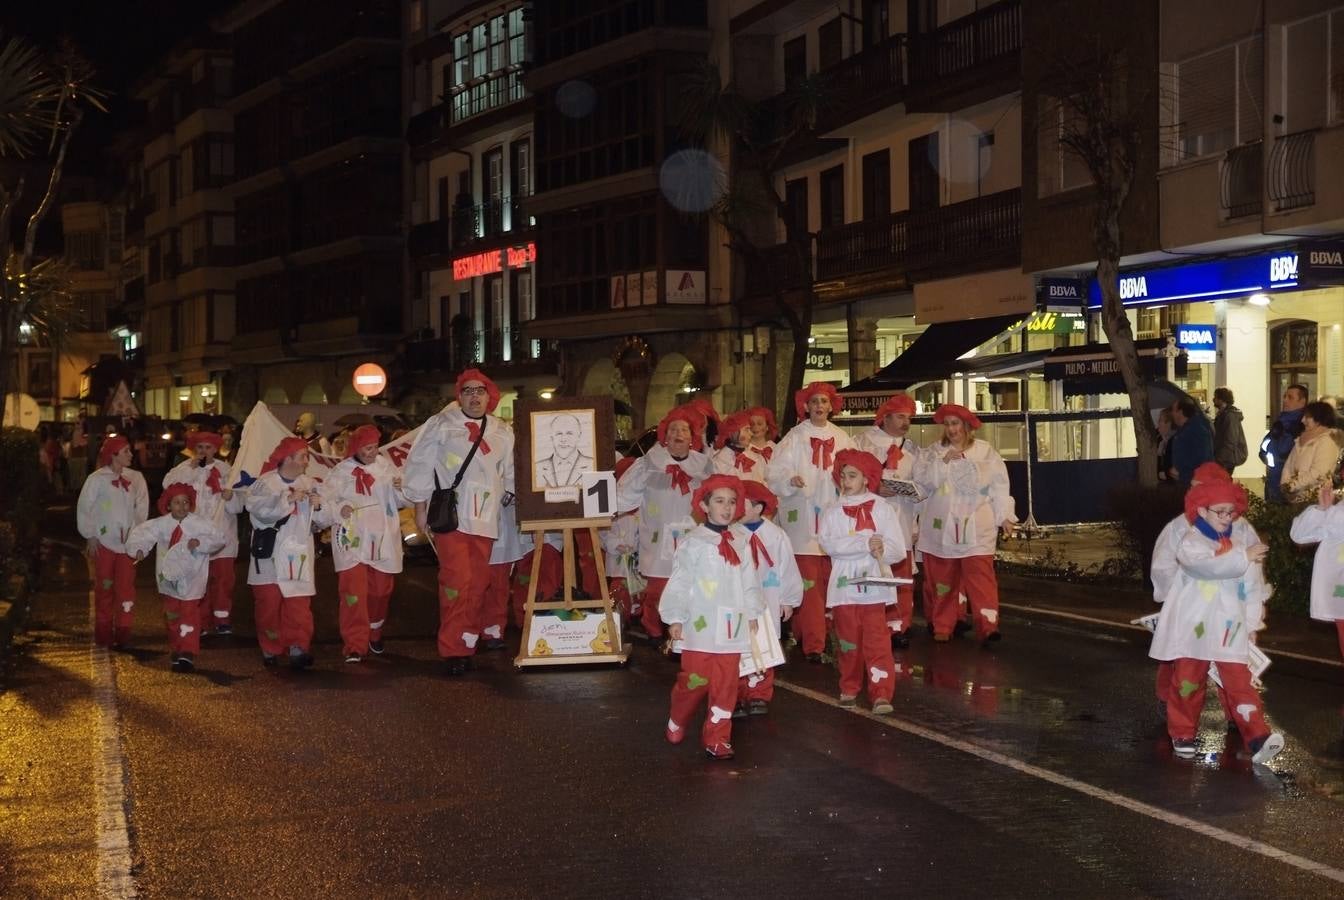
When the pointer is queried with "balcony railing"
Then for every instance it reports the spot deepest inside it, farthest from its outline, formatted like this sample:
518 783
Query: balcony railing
922 239
963 45
490 219
1243 180
469 347
1292 170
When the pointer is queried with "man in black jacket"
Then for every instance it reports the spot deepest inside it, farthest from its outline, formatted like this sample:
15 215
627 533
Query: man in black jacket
1229 440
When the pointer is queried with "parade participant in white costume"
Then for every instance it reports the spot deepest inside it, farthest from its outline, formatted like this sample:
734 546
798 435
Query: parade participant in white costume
216 502
113 500
777 572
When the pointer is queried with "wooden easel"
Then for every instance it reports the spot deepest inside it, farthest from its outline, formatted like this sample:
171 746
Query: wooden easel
619 653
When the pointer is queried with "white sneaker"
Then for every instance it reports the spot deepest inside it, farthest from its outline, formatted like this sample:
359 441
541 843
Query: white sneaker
1268 750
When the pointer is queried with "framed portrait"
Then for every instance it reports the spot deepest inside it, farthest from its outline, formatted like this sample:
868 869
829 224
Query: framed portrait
557 441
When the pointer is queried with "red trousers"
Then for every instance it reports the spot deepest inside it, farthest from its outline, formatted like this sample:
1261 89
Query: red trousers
902 612
1185 698
183 619
113 597
620 597
757 687
1339 627
549 580
1164 689
464 577
865 650
495 606
648 613
364 593
217 604
809 620
969 575
712 674
282 622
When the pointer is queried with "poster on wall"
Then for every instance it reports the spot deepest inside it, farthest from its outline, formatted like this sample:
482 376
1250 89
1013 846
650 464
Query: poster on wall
685 286
618 292
632 293
558 442
650 288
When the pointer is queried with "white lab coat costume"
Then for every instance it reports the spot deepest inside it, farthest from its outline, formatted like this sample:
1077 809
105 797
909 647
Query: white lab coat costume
294 558
781 583
372 534
439 449
1325 526
211 506
108 512
664 511
1214 603
851 558
801 508
178 571
705 594
966 501
725 463
876 442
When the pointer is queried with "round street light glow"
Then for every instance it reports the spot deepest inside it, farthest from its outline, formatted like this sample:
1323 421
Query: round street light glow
1260 299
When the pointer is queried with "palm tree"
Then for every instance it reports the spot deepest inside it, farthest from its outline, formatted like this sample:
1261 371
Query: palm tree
43 98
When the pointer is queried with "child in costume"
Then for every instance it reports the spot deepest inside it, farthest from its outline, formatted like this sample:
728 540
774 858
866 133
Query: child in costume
620 543
732 456
1209 612
184 542
711 600
781 584
360 499
113 500
1323 522
863 537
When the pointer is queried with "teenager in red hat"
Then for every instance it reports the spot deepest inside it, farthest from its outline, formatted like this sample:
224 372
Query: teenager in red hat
215 502
284 498
777 573
184 542
968 504
360 499
659 485
863 537
710 606
764 432
889 443
113 500
799 474
1209 614
733 455
442 451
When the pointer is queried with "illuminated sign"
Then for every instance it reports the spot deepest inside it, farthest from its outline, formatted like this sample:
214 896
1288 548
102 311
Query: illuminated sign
1055 323
820 359
1200 342
1206 280
490 262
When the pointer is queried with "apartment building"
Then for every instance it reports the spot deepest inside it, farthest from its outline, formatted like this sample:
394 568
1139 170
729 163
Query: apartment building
319 258
909 187
472 245
1234 233
178 287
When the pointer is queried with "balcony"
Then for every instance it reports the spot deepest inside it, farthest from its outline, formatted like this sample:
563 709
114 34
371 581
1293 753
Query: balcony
1292 171
968 60
497 348
482 103
1242 180
428 239
969 236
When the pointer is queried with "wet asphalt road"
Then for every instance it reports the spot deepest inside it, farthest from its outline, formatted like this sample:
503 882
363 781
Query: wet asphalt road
386 779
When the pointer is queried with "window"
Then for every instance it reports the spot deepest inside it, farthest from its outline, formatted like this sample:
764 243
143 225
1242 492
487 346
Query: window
1217 101
876 185
795 61
833 197
521 176
486 66
1058 168
1313 61
876 27
828 44
924 182
517 38
795 198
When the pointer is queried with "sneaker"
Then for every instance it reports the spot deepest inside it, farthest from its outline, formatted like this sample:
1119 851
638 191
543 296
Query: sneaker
814 658
455 666
848 701
269 660
740 711
900 640
183 663
1266 748
991 639
299 660
353 658
961 627
494 644
224 628
1185 748
720 751
758 707
674 734
376 648
882 707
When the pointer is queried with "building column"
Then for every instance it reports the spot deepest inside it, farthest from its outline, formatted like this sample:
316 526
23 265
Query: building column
1243 366
862 344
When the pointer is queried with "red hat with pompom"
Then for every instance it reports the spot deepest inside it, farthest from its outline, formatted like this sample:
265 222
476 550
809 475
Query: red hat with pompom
731 426
111 447
1211 493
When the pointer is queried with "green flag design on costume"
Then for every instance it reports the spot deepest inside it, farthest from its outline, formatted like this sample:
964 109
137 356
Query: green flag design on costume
942 589
694 681
450 592
700 624
351 599
1188 688
846 646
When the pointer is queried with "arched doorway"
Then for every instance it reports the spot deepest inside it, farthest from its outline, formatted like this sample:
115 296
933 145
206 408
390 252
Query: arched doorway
667 386
313 393
604 378
275 395
1293 353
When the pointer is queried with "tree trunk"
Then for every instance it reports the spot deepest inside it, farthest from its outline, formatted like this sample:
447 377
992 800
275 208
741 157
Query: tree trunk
801 328
8 340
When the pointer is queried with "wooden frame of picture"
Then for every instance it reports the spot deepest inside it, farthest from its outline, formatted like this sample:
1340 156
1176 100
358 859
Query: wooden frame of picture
556 441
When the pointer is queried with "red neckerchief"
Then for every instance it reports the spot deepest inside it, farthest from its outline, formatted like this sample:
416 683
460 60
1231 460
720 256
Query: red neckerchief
176 536
680 479
122 482
744 463
1224 545
474 432
212 482
862 514
822 450
364 481
894 455
766 452
758 550
726 549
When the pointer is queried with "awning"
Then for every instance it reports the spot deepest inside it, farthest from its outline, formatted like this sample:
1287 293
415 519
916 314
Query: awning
1091 368
933 355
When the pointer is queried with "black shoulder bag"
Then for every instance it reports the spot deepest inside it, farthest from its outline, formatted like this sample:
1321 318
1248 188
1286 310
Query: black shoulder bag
262 543
442 514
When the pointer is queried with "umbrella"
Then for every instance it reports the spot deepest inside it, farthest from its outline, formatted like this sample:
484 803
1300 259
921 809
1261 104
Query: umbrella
353 420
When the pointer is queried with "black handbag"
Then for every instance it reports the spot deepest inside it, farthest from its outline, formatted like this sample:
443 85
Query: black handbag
441 517
262 543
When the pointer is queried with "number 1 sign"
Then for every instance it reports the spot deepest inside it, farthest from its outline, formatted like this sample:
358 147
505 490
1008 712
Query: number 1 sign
599 494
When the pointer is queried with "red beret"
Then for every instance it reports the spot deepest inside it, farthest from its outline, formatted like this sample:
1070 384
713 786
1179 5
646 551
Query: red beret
205 437
1210 471
283 450
173 490
692 418
705 408
863 461
731 426
712 484
1211 493
363 436
491 390
802 395
897 403
956 411
768 414
759 493
111 447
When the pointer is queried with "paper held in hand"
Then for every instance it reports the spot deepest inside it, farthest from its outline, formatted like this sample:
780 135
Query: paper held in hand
901 488
766 651
882 580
